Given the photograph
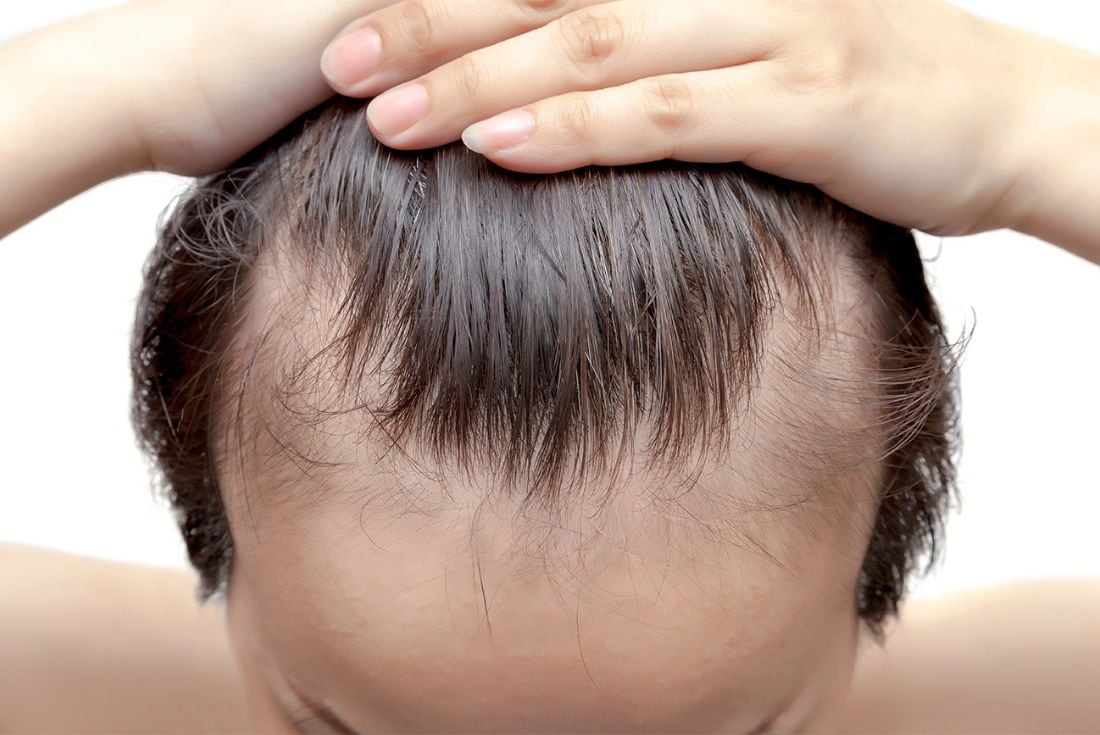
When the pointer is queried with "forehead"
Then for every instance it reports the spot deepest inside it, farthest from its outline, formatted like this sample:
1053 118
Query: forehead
432 599
443 619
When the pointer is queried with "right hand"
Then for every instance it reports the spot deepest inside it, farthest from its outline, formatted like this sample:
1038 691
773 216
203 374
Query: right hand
910 110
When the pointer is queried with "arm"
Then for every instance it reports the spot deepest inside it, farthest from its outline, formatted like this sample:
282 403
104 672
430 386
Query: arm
98 646
1005 120
914 111
185 86
1018 658
1057 197
62 129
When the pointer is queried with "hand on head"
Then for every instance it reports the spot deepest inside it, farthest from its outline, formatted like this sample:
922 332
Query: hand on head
879 107
899 113
915 112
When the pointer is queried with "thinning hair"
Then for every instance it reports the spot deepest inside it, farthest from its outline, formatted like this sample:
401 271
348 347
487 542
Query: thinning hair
535 324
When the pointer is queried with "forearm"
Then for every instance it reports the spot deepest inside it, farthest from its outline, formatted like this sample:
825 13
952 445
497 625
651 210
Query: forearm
65 122
1057 197
186 86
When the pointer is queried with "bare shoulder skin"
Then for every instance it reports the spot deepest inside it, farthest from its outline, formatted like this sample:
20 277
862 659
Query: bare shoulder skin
1017 658
97 646
94 646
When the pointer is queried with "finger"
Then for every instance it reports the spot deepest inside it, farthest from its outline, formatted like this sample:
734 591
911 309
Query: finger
737 114
600 46
408 38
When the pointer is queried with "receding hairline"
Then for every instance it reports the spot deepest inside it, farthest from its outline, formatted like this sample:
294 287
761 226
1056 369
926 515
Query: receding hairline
326 179
826 481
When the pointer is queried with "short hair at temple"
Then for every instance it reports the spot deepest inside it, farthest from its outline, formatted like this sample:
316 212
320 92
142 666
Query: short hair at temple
544 330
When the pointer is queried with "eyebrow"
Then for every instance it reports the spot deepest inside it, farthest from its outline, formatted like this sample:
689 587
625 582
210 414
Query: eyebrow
307 717
767 727
763 728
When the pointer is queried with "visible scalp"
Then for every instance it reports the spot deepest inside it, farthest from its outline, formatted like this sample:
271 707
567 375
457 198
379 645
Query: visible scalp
540 332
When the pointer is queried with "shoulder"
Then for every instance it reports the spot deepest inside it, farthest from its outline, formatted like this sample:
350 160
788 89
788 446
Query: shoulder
90 644
1020 658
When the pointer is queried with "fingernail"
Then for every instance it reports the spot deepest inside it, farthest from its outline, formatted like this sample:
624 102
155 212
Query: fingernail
353 58
500 132
398 109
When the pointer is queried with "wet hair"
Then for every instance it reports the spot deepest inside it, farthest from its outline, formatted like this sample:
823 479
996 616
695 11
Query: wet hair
534 323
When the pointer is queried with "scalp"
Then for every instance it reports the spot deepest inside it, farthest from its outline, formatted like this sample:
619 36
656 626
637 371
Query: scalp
329 315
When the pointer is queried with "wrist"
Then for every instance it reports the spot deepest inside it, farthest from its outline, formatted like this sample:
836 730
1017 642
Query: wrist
120 41
1055 148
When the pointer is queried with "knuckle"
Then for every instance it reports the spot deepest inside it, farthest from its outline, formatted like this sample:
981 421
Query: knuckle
824 69
824 56
838 65
419 26
669 103
541 9
469 77
577 116
589 38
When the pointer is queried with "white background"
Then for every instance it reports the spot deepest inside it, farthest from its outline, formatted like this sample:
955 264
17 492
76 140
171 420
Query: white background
72 477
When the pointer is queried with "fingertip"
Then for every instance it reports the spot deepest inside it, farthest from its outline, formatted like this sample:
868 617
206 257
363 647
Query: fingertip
500 132
351 59
472 139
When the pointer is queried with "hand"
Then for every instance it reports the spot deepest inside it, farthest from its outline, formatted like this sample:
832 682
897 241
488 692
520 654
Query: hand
900 108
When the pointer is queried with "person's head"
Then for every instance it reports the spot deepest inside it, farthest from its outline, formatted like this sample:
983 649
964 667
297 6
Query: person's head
636 449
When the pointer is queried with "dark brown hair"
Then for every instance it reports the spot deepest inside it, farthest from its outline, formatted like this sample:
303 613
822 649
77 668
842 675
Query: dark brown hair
530 323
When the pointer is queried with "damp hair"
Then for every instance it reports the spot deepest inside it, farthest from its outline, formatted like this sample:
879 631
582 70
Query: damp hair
533 324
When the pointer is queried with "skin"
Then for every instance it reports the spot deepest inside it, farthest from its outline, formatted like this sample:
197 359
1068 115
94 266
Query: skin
401 620
93 646
409 597
1014 145
837 92
1020 153
392 635
1019 658
138 656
